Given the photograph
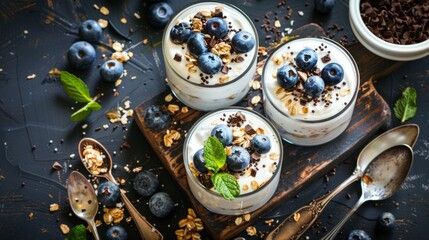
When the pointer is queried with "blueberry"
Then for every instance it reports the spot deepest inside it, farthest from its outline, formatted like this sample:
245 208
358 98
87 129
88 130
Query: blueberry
238 160
81 55
90 31
161 204
324 6
209 63
180 33
111 70
116 233
306 59
223 133
261 143
243 42
386 221
287 76
108 193
199 161
216 27
332 74
155 118
314 86
358 235
146 183
160 14
196 44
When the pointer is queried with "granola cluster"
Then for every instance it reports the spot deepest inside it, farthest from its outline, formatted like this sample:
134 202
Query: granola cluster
94 160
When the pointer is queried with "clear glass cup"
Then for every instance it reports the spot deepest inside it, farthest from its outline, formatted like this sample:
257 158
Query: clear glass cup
308 123
252 195
218 90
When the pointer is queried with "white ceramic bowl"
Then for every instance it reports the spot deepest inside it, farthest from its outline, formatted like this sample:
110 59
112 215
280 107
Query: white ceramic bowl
380 47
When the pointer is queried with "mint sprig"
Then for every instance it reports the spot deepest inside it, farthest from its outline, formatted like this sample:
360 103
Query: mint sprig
406 106
77 90
215 157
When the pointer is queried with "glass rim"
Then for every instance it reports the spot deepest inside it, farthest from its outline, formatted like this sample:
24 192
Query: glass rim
355 93
253 62
217 194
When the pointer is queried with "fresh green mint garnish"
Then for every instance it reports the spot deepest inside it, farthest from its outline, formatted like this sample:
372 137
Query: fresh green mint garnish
77 90
406 106
78 232
215 157
226 185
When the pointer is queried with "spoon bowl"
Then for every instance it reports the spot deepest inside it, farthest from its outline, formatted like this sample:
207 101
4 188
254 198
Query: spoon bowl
98 162
382 179
291 228
83 199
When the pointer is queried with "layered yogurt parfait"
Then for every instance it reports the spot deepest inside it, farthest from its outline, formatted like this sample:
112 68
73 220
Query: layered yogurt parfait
210 51
310 86
233 160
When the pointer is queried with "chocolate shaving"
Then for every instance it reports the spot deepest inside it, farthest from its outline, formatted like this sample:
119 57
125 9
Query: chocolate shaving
178 57
249 129
326 58
253 172
239 59
205 180
224 69
255 156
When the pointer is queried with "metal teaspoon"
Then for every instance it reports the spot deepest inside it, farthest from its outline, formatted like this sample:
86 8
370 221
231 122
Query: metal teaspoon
382 179
300 221
147 231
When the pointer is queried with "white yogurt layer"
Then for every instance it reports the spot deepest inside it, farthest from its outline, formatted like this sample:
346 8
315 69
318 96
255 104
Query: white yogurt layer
290 105
268 162
184 69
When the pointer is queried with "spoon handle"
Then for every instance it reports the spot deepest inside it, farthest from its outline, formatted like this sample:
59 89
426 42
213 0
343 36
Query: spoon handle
300 220
146 230
93 227
331 235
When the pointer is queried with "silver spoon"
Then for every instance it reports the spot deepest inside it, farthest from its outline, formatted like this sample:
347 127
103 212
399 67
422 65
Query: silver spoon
83 200
382 178
147 231
301 220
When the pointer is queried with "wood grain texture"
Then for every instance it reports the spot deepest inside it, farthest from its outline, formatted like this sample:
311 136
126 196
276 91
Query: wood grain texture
301 165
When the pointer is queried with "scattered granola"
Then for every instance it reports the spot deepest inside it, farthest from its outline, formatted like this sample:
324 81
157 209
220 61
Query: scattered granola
94 160
190 227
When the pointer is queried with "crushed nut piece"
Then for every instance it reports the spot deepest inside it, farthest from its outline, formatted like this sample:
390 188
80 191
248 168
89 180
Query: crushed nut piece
256 85
113 215
247 217
251 231
32 76
171 137
137 169
238 221
123 20
173 108
64 229
104 11
296 216
274 155
54 207
168 98
103 23
117 47
184 109
255 100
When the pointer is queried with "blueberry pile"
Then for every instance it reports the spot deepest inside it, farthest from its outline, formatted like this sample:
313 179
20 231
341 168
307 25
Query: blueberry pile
239 158
306 62
214 30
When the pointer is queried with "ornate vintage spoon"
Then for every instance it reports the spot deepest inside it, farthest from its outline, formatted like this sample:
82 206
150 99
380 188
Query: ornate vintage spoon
300 220
146 230
382 178
83 200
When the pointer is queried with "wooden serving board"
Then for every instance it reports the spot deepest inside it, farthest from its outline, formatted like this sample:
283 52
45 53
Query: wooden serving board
301 165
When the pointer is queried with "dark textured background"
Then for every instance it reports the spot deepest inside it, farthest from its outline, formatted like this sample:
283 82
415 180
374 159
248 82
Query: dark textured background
34 112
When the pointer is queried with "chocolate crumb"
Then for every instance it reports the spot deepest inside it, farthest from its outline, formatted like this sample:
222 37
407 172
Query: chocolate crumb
239 59
249 129
224 69
256 156
326 58
253 172
178 57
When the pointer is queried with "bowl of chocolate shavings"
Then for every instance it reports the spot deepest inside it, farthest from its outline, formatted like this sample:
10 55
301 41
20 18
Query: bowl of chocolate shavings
393 29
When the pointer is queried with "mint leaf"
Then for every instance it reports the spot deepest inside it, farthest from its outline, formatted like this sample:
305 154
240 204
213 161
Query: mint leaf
226 185
75 88
214 154
406 106
80 114
94 106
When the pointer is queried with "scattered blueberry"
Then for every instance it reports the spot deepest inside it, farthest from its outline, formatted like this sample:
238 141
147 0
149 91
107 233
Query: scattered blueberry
306 59
386 221
332 74
223 133
196 44
81 55
314 86
238 160
90 31
111 70
160 14
108 193
209 63
116 233
216 27
155 118
358 235
161 204
324 6
199 161
243 42
261 143
287 76
180 33
146 183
